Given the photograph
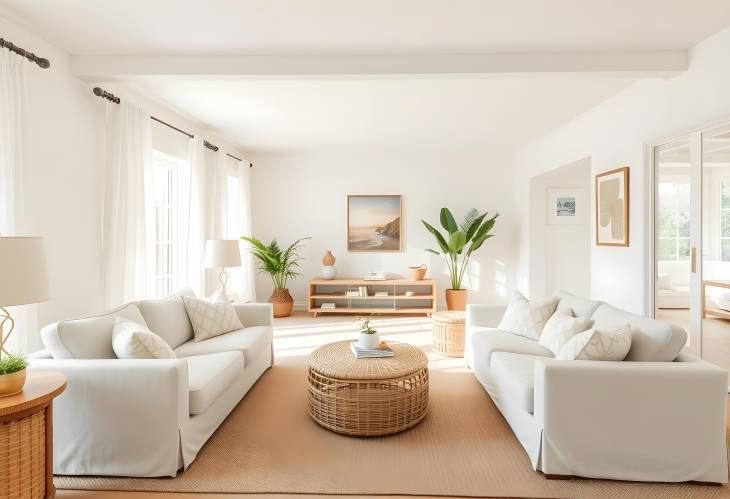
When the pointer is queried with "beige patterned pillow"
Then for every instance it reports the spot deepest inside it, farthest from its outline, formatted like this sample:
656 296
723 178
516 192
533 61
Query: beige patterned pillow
211 319
561 327
135 341
598 345
527 318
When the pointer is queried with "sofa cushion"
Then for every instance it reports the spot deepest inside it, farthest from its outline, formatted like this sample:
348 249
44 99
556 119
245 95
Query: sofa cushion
168 319
252 341
485 341
651 340
560 328
581 307
527 318
516 373
211 319
87 338
209 376
131 340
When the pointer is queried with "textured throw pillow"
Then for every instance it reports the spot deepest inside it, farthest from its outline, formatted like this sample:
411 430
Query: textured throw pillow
561 327
211 319
598 345
131 340
527 318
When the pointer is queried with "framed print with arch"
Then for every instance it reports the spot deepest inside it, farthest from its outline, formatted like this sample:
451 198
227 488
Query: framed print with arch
612 208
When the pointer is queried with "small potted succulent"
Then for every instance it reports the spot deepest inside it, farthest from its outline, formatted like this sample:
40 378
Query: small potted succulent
369 336
12 374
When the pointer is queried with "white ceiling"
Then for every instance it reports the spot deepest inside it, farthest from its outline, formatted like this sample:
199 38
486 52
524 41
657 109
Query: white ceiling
457 115
465 114
163 27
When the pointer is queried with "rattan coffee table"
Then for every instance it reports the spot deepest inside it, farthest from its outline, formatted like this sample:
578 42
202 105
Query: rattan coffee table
367 397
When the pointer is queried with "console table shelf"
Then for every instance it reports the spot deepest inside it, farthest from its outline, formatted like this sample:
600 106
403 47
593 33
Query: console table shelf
334 291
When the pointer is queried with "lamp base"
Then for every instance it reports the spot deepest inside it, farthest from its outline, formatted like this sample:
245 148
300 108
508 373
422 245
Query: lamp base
5 318
220 296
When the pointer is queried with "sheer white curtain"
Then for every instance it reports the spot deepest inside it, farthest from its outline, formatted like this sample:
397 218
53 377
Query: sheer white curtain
12 77
247 274
193 221
128 214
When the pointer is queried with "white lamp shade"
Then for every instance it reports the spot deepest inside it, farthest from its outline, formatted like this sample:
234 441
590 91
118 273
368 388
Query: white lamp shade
222 253
23 271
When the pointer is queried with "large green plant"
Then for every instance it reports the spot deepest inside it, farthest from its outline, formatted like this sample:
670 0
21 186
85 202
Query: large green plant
460 240
278 263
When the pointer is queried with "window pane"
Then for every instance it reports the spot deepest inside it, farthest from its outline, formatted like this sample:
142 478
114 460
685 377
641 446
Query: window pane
725 223
666 249
683 249
725 195
725 250
683 206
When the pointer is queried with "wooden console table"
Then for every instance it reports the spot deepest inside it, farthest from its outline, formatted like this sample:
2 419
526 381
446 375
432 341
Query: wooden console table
711 311
423 300
26 437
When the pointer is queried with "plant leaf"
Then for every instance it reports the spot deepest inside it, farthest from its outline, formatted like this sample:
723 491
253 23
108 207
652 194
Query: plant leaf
457 240
447 221
439 238
474 226
432 251
469 218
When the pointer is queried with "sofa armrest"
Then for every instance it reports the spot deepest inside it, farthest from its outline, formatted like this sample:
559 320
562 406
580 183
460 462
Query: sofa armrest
255 314
479 316
118 408
649 420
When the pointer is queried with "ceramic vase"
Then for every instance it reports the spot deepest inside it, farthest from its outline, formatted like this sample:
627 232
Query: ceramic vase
329 272
370 341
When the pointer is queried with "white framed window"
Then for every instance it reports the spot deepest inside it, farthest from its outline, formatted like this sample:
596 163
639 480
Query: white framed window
673 212
167 205
725 220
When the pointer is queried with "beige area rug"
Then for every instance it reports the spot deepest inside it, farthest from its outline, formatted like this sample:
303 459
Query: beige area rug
463 448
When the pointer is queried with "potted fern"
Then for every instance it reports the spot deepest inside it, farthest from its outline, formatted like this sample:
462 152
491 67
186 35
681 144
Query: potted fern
457 246
280 265
12 374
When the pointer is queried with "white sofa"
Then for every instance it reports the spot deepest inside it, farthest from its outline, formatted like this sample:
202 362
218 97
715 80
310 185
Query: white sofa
149 417
651 417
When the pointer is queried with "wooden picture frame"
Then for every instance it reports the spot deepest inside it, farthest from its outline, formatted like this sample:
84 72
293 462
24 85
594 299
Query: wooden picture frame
374 223
612 207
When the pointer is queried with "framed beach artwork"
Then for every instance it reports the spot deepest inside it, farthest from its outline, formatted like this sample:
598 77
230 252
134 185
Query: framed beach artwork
566 206
612 208
374 223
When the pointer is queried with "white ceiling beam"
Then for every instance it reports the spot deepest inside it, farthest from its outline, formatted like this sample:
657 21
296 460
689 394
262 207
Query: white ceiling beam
636 64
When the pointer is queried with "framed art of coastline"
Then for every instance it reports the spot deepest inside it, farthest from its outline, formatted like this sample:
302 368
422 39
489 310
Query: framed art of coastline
566 206
612 208
374 223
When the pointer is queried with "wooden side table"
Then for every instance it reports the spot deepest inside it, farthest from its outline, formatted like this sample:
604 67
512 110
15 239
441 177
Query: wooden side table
26 437
448 333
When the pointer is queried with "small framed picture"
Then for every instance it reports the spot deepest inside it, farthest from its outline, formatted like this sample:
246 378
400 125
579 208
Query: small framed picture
566 206
612 208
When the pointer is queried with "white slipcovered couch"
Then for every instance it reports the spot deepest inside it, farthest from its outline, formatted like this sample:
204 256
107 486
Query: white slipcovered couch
659 415
149 417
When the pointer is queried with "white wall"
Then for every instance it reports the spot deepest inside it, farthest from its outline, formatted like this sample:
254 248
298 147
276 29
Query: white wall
615 134
560 255
62 152
306 195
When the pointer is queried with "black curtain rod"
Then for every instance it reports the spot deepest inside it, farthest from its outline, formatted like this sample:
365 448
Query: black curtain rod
100 92
41 61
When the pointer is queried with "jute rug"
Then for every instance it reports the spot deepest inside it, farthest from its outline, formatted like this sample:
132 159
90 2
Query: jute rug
463 448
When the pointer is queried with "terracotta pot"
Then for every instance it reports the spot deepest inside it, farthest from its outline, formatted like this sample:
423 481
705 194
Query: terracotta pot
456 299
282 301
12 383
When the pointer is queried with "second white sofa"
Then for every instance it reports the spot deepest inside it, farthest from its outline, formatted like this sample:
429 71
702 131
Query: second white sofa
659 415
149 417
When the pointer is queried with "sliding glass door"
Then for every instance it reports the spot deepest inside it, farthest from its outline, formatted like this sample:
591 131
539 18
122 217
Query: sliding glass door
692 240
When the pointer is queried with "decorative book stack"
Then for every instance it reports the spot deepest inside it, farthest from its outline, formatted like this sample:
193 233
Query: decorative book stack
375 276
328 306
367 353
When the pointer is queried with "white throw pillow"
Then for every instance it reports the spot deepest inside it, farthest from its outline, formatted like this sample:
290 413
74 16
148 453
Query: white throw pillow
527 318
598 345
211 319
168 317
135 341
560 328
664 281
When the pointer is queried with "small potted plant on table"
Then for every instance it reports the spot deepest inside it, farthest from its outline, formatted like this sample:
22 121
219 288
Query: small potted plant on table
369 336
12 374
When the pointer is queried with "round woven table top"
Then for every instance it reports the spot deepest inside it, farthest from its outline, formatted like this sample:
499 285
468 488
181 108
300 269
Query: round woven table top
453 316
40 387
336 360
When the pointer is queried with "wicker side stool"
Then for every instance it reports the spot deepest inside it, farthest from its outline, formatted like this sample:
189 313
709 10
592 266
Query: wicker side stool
448 333
26 438
367 397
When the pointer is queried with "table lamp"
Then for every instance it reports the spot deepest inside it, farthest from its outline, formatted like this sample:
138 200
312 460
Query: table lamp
24 277
222 254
